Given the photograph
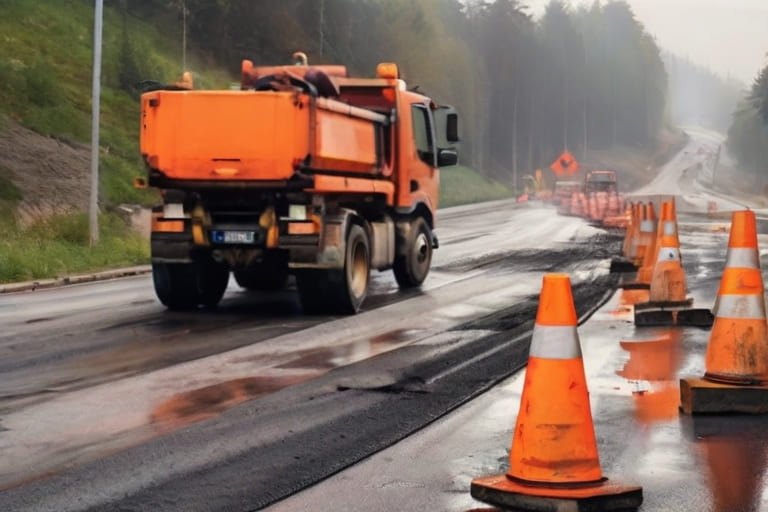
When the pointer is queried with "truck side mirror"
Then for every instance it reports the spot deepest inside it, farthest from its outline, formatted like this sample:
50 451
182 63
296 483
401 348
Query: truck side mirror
447 122
447 157
452 127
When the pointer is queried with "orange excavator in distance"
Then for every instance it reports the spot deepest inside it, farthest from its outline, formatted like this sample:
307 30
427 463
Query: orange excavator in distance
303 171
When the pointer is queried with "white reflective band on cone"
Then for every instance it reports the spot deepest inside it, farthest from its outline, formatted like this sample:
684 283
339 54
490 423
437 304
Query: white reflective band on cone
647 226
668 254
747 307
742 257
555 342
670 227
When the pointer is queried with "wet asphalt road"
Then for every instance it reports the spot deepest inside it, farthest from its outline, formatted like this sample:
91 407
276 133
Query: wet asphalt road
107 400
684 464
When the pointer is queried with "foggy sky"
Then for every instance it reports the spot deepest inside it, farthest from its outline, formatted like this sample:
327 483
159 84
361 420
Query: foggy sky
730 37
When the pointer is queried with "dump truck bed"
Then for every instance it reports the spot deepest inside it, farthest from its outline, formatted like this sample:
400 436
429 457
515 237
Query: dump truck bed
257 135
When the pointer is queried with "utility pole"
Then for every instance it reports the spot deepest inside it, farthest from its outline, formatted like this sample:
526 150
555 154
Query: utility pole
184 36
93 209
322 23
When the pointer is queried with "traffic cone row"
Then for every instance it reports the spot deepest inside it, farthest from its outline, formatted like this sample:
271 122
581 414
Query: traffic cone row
553 460
601 207
661 272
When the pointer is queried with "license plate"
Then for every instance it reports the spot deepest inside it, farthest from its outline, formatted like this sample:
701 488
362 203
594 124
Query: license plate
232 237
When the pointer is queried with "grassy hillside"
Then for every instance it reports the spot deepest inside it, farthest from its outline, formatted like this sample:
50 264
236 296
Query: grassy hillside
45 79
45 86
461 185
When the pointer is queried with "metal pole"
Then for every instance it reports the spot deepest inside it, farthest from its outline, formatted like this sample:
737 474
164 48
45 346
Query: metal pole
184 36
93 211
322 23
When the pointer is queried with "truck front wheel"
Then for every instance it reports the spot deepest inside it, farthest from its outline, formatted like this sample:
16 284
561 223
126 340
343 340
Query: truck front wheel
411 267
182 286
339 290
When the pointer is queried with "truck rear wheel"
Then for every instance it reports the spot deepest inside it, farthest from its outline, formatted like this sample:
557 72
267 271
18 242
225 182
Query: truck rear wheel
182 286
339 290
271 273
412 267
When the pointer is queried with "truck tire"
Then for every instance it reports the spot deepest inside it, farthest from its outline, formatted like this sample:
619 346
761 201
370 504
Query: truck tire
339 291
412 267
267 275
181 286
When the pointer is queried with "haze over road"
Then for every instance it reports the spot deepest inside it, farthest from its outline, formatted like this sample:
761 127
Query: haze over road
726 36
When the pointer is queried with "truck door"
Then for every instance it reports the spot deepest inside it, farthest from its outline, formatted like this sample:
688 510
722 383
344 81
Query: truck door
424 179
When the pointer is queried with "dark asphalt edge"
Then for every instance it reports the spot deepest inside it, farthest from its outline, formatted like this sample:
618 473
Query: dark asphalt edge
42 284
296 464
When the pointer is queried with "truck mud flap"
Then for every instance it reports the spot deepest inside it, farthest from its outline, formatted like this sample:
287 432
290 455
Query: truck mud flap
171 247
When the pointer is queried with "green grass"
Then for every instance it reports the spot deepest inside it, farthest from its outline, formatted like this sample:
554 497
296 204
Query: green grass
58 247
46 53
45 79
8 191
462 185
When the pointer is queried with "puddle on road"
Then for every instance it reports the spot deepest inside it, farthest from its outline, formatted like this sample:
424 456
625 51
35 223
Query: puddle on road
734 451
199 404
203 403
334 356
631 297
652 367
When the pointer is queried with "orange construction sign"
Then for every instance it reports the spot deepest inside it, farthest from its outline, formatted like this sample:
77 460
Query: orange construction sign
565 165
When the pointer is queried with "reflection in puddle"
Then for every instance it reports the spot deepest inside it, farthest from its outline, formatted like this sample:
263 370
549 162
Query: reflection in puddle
734 449
199 404
632 297
652 367
334 356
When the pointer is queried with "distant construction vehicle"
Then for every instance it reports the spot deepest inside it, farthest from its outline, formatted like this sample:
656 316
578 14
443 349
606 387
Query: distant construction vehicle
303 171
597 198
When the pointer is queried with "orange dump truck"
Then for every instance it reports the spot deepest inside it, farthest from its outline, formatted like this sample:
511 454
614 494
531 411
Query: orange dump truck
302 171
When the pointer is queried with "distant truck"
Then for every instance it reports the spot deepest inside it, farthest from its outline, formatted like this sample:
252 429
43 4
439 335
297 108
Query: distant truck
600 181
302 171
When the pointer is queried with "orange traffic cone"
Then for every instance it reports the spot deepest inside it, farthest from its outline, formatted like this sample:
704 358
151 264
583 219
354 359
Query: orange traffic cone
631 240
554 456
635 240
576 204
737 353
668 282
630 226
668 304
646 244
646 240
738 344
621 263
645 272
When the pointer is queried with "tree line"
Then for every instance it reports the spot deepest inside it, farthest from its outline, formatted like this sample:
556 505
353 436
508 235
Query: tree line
698 96
525 89
748 134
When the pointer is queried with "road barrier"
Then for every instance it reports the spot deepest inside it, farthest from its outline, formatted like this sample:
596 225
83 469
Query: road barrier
554 462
